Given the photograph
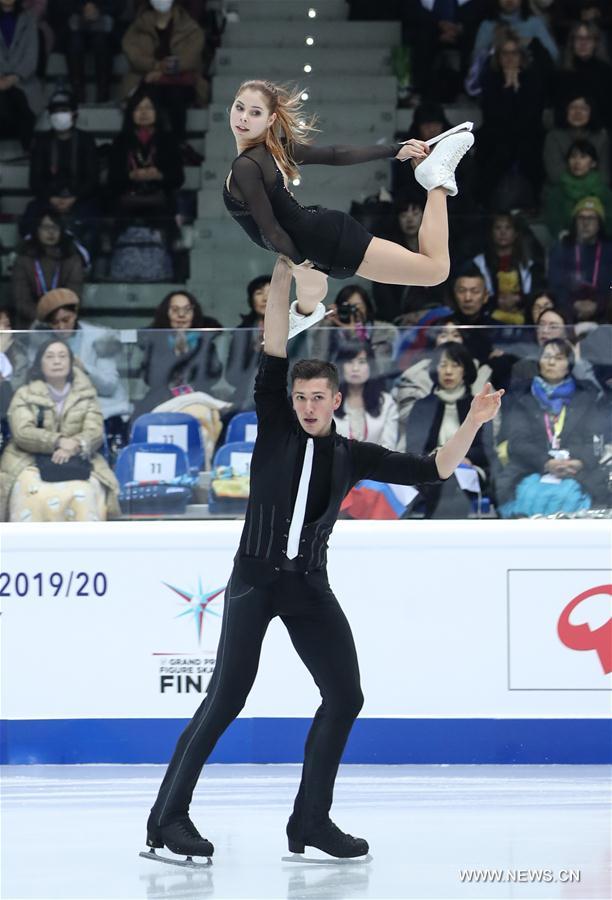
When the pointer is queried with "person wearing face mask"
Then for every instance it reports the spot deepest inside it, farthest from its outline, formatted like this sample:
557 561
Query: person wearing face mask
64 170
21 97
164 48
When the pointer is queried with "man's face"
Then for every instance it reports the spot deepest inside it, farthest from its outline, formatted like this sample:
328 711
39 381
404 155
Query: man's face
315 404
470 295
587 226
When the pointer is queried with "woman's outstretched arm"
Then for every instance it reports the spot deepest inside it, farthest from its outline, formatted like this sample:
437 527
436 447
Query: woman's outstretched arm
345 155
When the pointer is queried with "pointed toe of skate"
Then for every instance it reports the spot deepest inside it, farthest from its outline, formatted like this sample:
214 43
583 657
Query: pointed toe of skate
299 323
438 169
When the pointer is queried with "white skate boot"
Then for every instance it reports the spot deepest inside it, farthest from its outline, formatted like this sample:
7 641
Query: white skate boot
299 323
438 169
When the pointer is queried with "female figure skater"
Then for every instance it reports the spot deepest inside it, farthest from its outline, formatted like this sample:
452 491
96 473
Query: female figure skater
272 139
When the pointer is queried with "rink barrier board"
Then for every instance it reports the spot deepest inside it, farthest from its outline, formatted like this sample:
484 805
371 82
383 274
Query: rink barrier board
281 740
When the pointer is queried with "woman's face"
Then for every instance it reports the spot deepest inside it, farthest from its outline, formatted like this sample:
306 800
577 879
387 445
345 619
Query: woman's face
450 373
504 232
554 365
359 303
55 362
588 226
578 113
449 333
144 115
63 319
250 117
357 369
540 304
409 220
260 298
580 164
180 312
551 325
583 44
48 232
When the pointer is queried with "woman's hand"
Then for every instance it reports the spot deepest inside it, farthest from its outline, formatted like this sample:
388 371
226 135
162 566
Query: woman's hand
67 447
485 405
414 150
564 468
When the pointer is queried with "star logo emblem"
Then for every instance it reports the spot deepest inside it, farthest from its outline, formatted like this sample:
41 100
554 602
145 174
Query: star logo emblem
199 603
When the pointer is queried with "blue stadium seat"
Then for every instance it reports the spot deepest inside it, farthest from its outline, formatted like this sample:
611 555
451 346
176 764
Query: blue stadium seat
223 457
237 427
176 428
154 479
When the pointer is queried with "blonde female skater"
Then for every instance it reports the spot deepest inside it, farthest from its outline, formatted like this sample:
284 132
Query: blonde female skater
272 140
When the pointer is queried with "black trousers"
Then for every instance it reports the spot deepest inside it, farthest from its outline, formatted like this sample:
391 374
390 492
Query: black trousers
16 118
322 637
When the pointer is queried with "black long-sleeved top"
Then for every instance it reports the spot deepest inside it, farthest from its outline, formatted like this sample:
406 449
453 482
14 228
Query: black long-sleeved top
70 163
260 202
278 456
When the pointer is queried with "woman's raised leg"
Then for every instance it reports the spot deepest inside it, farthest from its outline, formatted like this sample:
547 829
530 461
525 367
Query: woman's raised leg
390 263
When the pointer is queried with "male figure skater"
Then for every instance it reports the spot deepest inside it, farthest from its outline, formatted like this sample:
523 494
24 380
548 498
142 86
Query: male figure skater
301 471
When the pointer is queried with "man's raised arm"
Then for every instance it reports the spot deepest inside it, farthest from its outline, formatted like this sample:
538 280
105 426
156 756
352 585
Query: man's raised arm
276 319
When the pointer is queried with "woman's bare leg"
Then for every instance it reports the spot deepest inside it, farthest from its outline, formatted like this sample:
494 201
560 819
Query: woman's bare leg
311 288
390 263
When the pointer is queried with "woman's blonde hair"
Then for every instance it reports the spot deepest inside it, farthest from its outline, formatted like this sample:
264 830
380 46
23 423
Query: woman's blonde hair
289 128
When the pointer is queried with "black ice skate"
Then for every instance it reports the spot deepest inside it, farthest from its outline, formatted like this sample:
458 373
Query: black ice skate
180 837
328 838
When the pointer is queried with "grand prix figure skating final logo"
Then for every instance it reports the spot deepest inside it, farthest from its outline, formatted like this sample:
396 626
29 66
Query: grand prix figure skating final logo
181 672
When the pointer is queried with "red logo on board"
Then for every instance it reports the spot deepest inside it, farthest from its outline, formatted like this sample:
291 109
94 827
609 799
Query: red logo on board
582 637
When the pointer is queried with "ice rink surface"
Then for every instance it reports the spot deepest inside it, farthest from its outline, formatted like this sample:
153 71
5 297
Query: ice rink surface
76 831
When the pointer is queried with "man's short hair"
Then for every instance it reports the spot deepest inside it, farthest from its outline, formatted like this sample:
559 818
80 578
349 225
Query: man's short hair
469 270
316 368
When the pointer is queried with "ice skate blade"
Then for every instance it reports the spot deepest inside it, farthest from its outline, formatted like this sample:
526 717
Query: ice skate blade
465 126
182 863
299 858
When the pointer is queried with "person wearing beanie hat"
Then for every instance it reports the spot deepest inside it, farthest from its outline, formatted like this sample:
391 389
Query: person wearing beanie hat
583 257
64 170
95 350
581 179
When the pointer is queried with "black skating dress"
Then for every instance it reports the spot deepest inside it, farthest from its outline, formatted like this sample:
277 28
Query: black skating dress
271 216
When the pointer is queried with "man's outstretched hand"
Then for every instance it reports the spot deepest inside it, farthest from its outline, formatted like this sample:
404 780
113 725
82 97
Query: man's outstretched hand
485 404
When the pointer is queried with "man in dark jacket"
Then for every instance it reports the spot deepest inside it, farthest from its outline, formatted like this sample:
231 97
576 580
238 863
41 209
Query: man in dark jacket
301 470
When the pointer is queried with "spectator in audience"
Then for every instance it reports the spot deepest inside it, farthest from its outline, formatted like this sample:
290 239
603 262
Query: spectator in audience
46 37
509 143
510 268
515 14
96 350
416 382
578 120
537 303
582 257
435 418
246 343
551 324
367 412
51 470
551 466
13 369
145 167
21 97
587 310
352 316
405 230
582 178
48 259
470 299
64 171
89 30
176 357
164 48
585 69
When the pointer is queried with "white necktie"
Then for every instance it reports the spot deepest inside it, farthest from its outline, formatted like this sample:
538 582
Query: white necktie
299 510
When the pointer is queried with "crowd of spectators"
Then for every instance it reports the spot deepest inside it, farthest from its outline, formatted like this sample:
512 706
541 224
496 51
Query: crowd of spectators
527 306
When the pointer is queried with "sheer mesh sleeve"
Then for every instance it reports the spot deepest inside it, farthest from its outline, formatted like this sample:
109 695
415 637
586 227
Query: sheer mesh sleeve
342 155
248 179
